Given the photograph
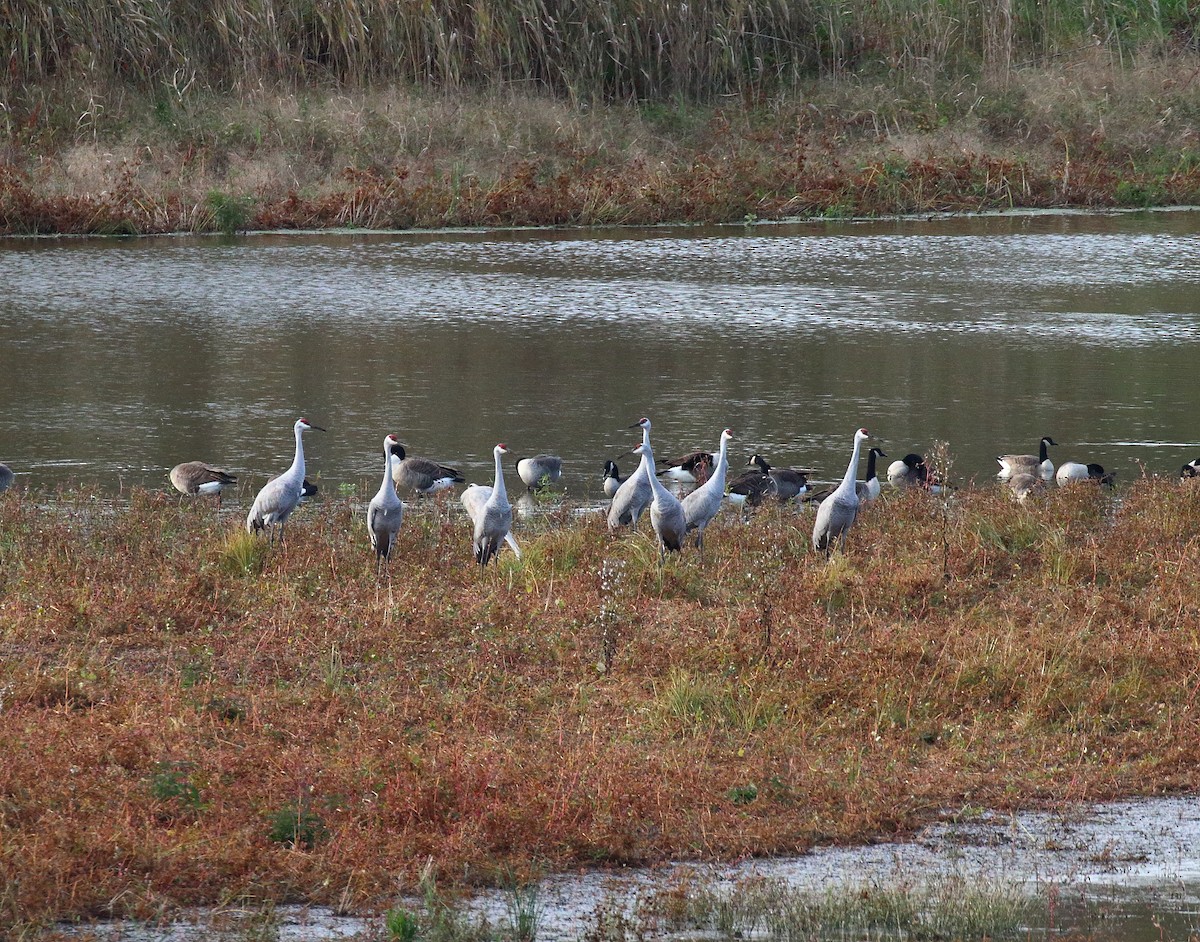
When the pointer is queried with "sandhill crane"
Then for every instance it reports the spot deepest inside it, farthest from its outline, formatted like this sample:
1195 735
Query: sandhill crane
787 482
6 477
279 497
420 475
1070 471
909 471
869 489
666 512
702 504
490 511
635 494
539 471
692 468
198 477
385 512
1040 464
612 479
838 511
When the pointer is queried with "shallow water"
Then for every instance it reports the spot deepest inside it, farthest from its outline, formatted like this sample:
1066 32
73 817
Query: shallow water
1127 870
120 358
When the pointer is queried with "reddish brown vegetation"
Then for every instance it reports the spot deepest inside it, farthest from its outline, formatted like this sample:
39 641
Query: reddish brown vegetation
164 711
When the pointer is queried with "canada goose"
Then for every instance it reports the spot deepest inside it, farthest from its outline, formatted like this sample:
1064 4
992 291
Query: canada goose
838 511
666 512
909 471
539 471
420 475
490 511
702 504
869 489
279 497
634 495
750 488
385 512
692 468
6 477
1074 471
1040 465
1024 485
193 478
787 482
612 479
1186 473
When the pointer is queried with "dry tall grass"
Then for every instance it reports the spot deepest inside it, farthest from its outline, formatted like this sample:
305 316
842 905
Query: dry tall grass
178 725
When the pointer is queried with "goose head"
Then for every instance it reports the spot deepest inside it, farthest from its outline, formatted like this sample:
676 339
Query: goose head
758 461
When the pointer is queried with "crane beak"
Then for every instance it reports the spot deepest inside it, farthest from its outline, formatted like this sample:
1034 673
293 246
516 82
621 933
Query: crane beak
316 427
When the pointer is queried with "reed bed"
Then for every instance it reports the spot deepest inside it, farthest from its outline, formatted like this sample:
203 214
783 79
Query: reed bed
188 719
597 50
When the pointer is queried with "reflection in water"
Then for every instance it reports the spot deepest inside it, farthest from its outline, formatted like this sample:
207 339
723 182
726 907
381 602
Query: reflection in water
121 358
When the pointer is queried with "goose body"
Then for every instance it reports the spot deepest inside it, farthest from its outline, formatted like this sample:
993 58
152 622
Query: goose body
1070 471
491 513
612 479
750 488
1039 464
280 496
385 512
909 471
1186 473
1025 485
868 490
838 511
421 475
539 471
6 477
666 512
692 468
786 482
702 504
199 477
635 495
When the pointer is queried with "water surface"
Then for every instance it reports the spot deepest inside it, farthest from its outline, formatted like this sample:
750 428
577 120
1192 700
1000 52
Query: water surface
120 358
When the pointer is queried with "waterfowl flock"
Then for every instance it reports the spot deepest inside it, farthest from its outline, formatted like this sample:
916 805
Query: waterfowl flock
674 519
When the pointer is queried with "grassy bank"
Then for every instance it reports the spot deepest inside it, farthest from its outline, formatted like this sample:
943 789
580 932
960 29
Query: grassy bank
188 717
381 115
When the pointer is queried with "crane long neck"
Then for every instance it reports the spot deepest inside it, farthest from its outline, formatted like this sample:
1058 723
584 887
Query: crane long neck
646 435
387 467
722 461
647 468
297 468
498 487
852 469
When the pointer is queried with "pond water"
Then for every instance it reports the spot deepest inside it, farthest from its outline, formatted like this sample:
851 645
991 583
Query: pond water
120 358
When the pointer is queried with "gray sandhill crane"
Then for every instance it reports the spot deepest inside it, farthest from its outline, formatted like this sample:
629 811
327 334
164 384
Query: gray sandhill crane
385 512
612 479
868 490
909 471
692 468
279 497
1038 464
838 511
539 471
702 504
198 477
666 512
421 475
787 482
6 477
634 496
1070 471
491 513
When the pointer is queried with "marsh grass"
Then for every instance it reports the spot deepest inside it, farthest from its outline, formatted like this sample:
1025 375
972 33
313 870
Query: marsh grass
297 729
